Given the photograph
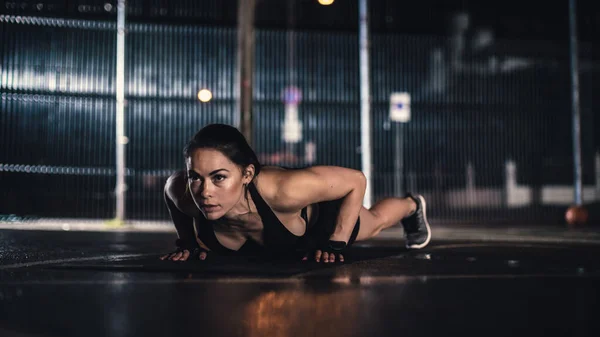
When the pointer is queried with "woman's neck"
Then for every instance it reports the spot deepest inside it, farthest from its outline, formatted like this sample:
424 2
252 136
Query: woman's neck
243 217
243 209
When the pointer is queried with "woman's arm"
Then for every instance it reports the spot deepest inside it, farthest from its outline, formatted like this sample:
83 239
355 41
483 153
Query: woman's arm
184 224
299 188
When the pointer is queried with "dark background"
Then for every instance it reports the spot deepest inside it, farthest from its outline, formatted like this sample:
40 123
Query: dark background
510 99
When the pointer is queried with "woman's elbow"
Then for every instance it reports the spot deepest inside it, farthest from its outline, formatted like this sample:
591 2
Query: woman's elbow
360 181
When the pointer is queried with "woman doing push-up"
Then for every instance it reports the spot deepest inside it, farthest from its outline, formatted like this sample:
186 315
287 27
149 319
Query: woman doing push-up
227 203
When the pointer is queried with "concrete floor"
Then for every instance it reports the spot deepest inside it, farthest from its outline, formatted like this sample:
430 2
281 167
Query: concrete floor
484 281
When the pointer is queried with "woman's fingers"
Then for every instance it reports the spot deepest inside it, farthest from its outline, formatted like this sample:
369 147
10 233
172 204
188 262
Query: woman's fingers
186 254
326 257
177 256
183 255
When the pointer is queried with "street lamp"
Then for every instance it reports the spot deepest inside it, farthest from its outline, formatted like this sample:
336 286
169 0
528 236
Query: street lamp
204 95
326 2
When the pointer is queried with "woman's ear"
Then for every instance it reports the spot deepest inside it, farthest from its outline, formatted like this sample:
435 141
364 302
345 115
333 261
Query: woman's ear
248 174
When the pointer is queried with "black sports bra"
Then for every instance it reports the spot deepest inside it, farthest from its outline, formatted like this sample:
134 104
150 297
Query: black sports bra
276 237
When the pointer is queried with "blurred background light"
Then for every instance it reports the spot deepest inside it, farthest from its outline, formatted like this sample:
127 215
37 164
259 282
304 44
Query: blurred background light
326 2
204 95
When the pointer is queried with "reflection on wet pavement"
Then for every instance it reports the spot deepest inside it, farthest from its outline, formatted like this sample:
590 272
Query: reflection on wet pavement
503 289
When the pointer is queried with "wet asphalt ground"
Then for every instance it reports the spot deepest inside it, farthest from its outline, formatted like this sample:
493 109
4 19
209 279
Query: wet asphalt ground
57 283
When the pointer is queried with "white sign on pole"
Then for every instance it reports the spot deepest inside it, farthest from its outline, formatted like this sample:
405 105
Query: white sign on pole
292 126
400 107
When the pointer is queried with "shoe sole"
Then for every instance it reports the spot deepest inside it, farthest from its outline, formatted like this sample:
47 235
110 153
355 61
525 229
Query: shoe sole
419 246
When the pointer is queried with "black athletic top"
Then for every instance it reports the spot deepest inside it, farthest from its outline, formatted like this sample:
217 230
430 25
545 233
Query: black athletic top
276 237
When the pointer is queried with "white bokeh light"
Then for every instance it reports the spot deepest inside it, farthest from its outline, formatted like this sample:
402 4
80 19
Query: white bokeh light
204 95
326 2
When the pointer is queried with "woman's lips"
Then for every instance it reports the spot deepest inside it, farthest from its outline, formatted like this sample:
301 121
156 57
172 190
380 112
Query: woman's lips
209 208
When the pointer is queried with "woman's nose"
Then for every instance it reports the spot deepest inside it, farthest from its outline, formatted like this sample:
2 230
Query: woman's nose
205 190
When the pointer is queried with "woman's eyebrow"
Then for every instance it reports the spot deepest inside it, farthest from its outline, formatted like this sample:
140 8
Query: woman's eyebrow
192 172
216 171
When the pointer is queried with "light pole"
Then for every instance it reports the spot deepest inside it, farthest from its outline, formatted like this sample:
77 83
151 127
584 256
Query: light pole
121 139
575 110
245 68
365 99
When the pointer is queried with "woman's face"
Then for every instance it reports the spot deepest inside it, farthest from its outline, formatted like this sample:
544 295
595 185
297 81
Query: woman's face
216 183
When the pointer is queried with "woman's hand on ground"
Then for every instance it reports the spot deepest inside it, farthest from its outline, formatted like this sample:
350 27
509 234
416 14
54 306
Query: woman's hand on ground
327 256
185 254
330 251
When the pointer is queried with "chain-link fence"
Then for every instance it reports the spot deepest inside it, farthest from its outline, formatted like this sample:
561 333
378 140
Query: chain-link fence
489 138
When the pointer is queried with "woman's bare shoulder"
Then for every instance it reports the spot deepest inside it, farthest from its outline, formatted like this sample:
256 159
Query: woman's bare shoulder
176 191
266 181
269 183
176 185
